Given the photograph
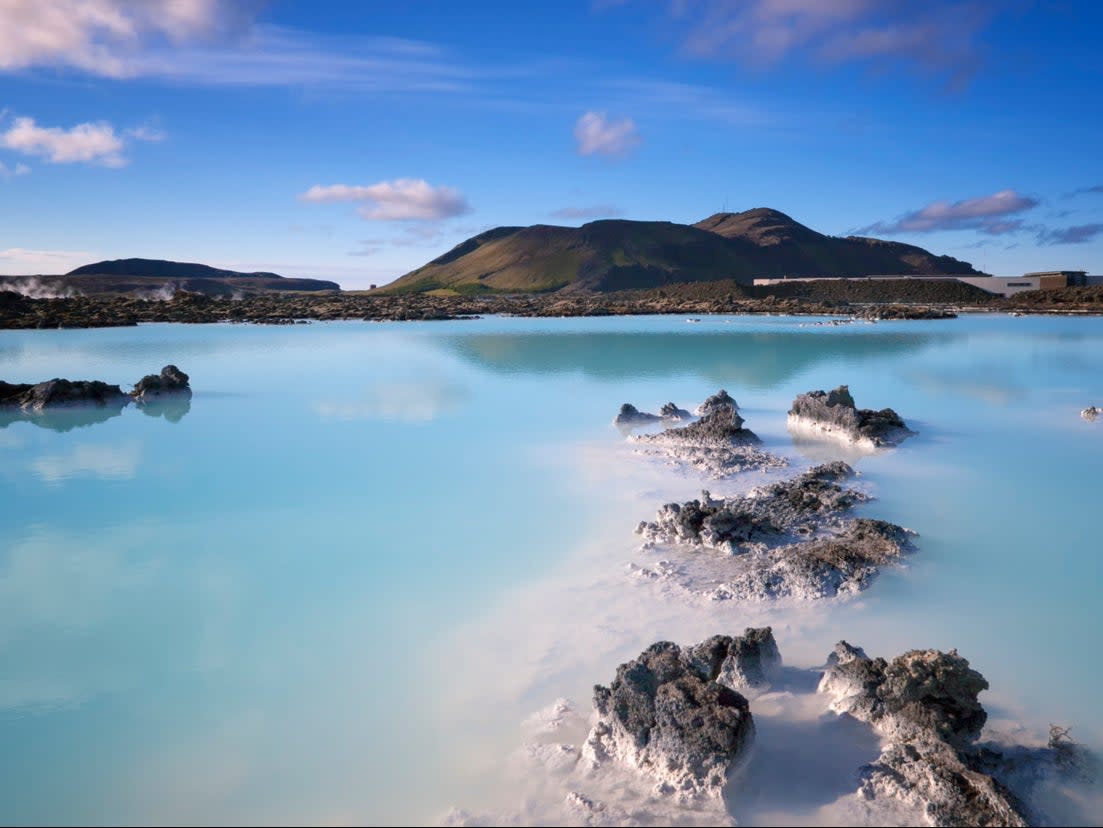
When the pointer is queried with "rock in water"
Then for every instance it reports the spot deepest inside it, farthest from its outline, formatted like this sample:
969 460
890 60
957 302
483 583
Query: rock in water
716 444
791 539
1091 412
835 413
629 415
721 399
170 382
58 393
672 714
924 703
672 413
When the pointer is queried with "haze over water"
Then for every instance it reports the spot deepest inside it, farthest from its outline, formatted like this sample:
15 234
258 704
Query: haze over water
331 589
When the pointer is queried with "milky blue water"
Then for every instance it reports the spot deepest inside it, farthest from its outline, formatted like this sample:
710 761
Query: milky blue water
329 589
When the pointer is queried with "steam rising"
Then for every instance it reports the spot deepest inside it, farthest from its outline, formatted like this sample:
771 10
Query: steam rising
34 288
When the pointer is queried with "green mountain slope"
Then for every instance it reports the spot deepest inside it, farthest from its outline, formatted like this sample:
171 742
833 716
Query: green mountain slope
617 255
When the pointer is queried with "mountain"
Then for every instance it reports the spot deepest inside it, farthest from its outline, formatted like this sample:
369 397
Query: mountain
618 254
800 251
125 275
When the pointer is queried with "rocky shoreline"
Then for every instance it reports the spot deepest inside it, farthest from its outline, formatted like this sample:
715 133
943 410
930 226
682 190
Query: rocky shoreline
850 300
21 312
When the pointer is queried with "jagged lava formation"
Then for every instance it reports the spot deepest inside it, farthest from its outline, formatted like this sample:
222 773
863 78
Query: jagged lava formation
36 399
790 539
717 444
925 706
834 413
681 718
677 714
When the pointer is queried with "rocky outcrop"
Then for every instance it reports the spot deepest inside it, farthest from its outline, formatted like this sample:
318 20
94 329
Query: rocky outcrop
57 393
924 703
671 413
717 444
170 382
834 413
791 539
674 714
1091 413
721 399
64 404
629 415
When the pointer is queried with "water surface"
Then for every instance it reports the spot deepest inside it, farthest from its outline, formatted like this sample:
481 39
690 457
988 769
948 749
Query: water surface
330 589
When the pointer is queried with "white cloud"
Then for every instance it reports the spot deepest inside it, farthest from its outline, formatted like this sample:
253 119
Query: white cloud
404 199
87 143
597 135
104 462
9 172
94 143
100 36
23 260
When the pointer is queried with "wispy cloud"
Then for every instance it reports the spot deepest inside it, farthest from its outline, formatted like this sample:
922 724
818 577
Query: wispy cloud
597 211
992 214
11 172
1079 234
210 42
597 135
21 260
942 35
146 133
404 199
88 143
1096 189
660 98
107 37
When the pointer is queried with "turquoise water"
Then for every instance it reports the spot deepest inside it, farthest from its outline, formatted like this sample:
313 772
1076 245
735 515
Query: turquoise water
329 590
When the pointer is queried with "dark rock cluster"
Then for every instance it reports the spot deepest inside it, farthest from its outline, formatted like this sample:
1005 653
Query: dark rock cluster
835 412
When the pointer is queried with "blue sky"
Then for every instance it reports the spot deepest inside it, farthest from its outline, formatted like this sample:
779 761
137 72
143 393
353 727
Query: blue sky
357 140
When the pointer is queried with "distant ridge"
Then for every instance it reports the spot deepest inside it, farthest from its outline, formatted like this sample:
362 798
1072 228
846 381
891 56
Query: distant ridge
614 255
130 275
161 267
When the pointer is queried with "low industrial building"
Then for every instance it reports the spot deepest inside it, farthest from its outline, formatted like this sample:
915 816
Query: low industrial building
999 285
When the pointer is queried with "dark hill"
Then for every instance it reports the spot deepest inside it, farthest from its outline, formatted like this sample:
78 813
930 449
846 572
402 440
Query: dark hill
800 251
161 267
127 275
614 255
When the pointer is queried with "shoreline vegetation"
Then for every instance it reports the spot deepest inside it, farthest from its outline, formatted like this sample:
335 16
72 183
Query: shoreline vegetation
857 299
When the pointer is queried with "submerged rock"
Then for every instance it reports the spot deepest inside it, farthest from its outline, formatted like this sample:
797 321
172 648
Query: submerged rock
674 715
835 413
717 444
57 393
170 382
1091 412
788 539
62 404
629 415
